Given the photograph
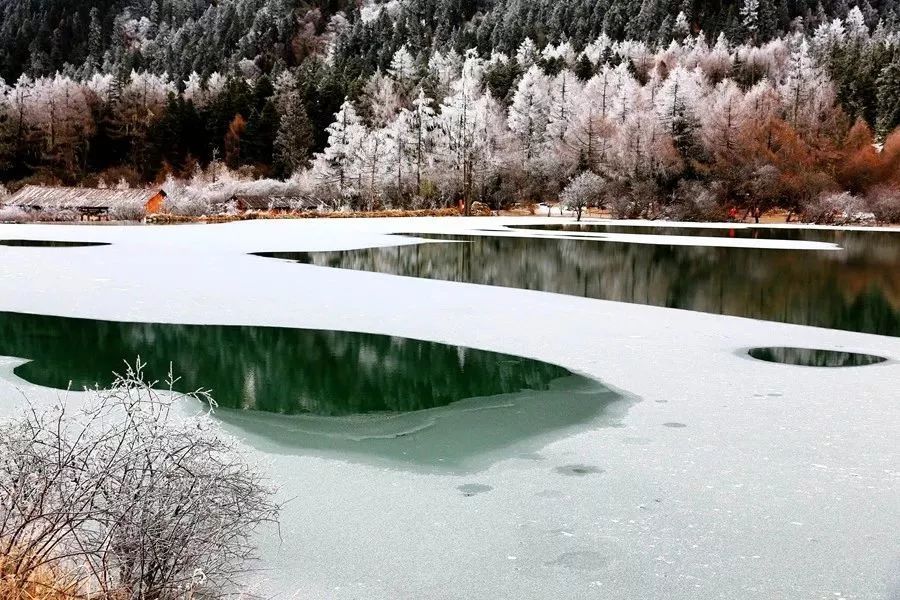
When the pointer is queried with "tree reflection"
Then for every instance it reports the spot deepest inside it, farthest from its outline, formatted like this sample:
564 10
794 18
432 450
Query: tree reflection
267 368
856 288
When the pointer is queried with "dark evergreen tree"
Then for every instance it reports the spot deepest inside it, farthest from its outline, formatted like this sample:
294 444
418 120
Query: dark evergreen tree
888 96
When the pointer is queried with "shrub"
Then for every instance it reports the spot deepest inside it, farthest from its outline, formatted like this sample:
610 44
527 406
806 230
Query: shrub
13 214
694 201
884 202
833 208
127 498
131 211
634 202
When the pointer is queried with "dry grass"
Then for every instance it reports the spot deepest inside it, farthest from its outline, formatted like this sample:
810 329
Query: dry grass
771 217
377 214
44 583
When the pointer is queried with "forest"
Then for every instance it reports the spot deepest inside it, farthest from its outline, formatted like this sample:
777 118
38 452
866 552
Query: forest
657 108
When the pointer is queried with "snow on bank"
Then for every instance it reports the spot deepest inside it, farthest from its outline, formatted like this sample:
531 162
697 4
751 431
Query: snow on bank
732 478
667 240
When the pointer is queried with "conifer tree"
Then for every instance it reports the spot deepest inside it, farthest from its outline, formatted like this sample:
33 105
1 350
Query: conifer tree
888 90
293 140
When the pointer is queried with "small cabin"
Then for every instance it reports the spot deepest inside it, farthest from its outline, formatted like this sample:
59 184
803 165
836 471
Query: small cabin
87 203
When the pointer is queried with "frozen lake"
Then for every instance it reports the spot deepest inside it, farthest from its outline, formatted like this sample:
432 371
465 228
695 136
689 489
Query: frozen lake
676 465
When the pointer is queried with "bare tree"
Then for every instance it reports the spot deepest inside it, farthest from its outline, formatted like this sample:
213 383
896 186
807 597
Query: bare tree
129 497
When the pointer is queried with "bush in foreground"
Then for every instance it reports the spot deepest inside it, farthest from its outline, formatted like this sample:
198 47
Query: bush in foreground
125 498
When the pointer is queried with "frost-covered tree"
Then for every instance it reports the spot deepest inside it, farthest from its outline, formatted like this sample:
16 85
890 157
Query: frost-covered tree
461 120
444 68
805 90
723 120
599 110
398 135
422 128
857 30
381 99
529 113
681 28
403 68
526 54
750 17
374 166
564 90
335 165
676 104
582 192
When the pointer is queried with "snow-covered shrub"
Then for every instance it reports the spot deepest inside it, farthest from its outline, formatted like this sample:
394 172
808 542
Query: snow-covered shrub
693 201
634 202
187 204
128 211
14 214
100 484
583 191
884 202
55 214
833 208
217 185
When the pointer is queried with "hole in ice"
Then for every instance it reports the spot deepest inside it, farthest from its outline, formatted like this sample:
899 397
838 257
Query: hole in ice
271 369
579 470
374 396
471 489
674 425
811 357
49 244
846 289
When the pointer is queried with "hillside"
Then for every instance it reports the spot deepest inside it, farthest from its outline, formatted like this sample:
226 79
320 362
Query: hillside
426 103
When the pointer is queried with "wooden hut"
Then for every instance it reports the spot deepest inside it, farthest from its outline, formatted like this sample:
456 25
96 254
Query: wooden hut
88 203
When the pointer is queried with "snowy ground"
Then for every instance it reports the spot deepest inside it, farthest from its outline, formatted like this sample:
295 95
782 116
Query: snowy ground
730 478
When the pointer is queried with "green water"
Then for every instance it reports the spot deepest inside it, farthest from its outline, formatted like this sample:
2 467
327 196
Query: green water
856 288
379 397
48 244
288 371
812 357
834 236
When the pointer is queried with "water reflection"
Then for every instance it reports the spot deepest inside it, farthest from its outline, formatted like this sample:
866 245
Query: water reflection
49 244
857 288
833 236
288 371
405 402
810 357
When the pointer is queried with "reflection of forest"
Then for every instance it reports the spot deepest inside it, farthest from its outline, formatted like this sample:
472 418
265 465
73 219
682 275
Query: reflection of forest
856 289
871 239
810 357
48 244
273 369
